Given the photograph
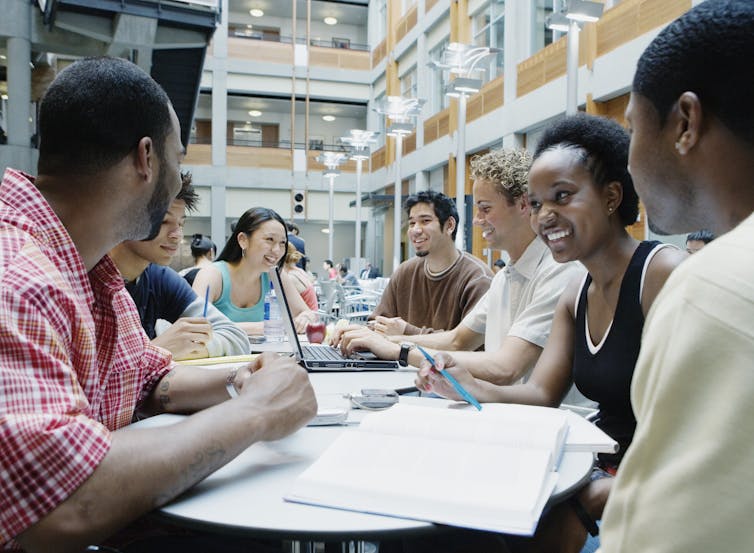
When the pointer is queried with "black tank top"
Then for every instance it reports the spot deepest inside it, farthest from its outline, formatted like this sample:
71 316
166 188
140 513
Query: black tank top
605 376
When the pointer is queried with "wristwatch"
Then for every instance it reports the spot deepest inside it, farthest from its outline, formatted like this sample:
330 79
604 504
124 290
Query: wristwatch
403 355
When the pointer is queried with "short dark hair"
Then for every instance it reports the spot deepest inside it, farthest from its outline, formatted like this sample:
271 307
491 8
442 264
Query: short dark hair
94 114
705 51
500 263
250 221
201 245
329 262
603 144
292 227
702 235
188 193
444 207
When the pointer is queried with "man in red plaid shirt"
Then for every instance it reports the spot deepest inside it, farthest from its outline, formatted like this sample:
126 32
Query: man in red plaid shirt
75 365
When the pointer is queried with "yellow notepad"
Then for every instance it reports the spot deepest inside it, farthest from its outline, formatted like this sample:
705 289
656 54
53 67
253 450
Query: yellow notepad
220 360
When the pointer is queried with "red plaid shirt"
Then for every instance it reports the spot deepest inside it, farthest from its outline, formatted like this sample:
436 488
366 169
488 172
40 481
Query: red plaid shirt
74 360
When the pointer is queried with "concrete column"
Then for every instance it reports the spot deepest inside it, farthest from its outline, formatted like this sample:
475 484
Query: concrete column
18 152
219 126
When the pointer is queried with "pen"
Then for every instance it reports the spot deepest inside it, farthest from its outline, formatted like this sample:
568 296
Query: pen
457 385
206 301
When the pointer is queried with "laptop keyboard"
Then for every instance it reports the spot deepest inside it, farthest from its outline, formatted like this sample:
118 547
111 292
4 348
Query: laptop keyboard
324 353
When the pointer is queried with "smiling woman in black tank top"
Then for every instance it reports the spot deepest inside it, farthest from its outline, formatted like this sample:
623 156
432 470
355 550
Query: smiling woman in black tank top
582 199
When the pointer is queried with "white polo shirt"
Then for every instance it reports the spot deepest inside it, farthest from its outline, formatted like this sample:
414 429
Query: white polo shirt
522 298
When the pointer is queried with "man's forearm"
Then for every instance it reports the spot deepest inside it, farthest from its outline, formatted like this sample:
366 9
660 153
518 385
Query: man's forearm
187 389
145 468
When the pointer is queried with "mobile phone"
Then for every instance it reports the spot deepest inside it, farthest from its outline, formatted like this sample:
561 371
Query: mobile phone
372 398
330 416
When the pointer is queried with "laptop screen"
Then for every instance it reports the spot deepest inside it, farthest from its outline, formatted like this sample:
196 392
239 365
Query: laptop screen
285 311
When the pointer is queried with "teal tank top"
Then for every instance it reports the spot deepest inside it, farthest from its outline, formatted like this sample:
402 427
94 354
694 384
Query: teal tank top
253 314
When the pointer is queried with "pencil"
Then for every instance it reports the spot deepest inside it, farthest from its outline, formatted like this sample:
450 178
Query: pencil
206 302
450 378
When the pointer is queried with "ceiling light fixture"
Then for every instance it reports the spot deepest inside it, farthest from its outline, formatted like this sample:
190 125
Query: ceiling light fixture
328 118
330 20
256 12
255 113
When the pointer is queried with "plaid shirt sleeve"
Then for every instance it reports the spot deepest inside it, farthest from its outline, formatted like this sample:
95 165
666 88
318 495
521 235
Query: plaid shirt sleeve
69 375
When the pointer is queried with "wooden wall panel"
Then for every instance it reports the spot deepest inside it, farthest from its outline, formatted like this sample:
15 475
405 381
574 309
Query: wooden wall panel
273 158
429 4
436 126
378 159
259 50
406 23
409 144
544 66
379 53
340 58
198 154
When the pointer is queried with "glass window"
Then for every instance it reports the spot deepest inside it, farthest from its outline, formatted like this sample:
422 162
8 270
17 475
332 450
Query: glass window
439 79
408 83
488 26
542 36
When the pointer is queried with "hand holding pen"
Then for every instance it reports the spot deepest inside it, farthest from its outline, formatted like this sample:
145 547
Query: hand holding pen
442 382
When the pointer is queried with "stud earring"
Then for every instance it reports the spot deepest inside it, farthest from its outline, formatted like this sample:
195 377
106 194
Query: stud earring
678 146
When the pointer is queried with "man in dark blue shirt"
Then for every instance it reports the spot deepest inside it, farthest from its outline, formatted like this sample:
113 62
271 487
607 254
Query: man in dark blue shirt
161 293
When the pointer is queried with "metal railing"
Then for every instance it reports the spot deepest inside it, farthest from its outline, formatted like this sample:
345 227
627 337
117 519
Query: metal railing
314 145
334 42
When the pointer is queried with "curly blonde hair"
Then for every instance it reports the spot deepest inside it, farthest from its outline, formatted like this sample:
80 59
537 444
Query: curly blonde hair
506 168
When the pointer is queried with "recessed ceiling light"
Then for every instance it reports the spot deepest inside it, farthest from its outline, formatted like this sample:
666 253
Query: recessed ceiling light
2 57
328 118
4 97
325 231
330 20
256 12
249 26
255 113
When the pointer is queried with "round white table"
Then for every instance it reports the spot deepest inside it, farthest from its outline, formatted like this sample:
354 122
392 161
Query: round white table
246 496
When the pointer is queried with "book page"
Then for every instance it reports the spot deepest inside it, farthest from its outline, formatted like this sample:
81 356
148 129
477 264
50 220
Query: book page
530 427
475 485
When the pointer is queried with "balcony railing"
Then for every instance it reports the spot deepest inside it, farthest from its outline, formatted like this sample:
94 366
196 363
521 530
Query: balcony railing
334 42
314 144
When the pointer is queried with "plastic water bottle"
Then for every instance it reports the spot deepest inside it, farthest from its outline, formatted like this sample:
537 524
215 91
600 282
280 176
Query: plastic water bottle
273 323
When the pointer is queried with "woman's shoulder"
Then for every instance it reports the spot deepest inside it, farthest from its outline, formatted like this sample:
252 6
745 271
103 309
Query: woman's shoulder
664 261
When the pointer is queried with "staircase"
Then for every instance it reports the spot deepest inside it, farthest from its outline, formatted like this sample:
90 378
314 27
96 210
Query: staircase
168 39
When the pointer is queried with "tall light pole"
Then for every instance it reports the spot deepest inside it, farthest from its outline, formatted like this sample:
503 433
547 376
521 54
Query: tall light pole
568 20
359 141
331 160
400 111
462 60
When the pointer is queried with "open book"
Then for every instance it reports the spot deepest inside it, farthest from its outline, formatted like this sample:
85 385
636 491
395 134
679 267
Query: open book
490 470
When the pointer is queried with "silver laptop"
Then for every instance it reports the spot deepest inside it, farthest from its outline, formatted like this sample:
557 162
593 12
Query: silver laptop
319 357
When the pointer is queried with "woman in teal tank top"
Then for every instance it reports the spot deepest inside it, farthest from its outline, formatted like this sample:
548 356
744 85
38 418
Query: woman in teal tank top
238 281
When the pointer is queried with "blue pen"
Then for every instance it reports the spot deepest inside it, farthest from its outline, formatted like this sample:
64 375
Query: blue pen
457 385
206 302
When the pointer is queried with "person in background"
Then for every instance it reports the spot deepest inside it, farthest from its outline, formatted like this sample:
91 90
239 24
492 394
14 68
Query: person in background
300 278
76 363
203 250
347 278
497 266
160 293
582 199
331 272
684 484
697 240
239 281
298 243
513 319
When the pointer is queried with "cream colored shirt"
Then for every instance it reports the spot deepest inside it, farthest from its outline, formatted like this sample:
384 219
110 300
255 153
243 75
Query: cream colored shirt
686 484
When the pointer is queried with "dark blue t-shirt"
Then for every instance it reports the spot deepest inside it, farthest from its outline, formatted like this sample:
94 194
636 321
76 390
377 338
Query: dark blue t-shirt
160 293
